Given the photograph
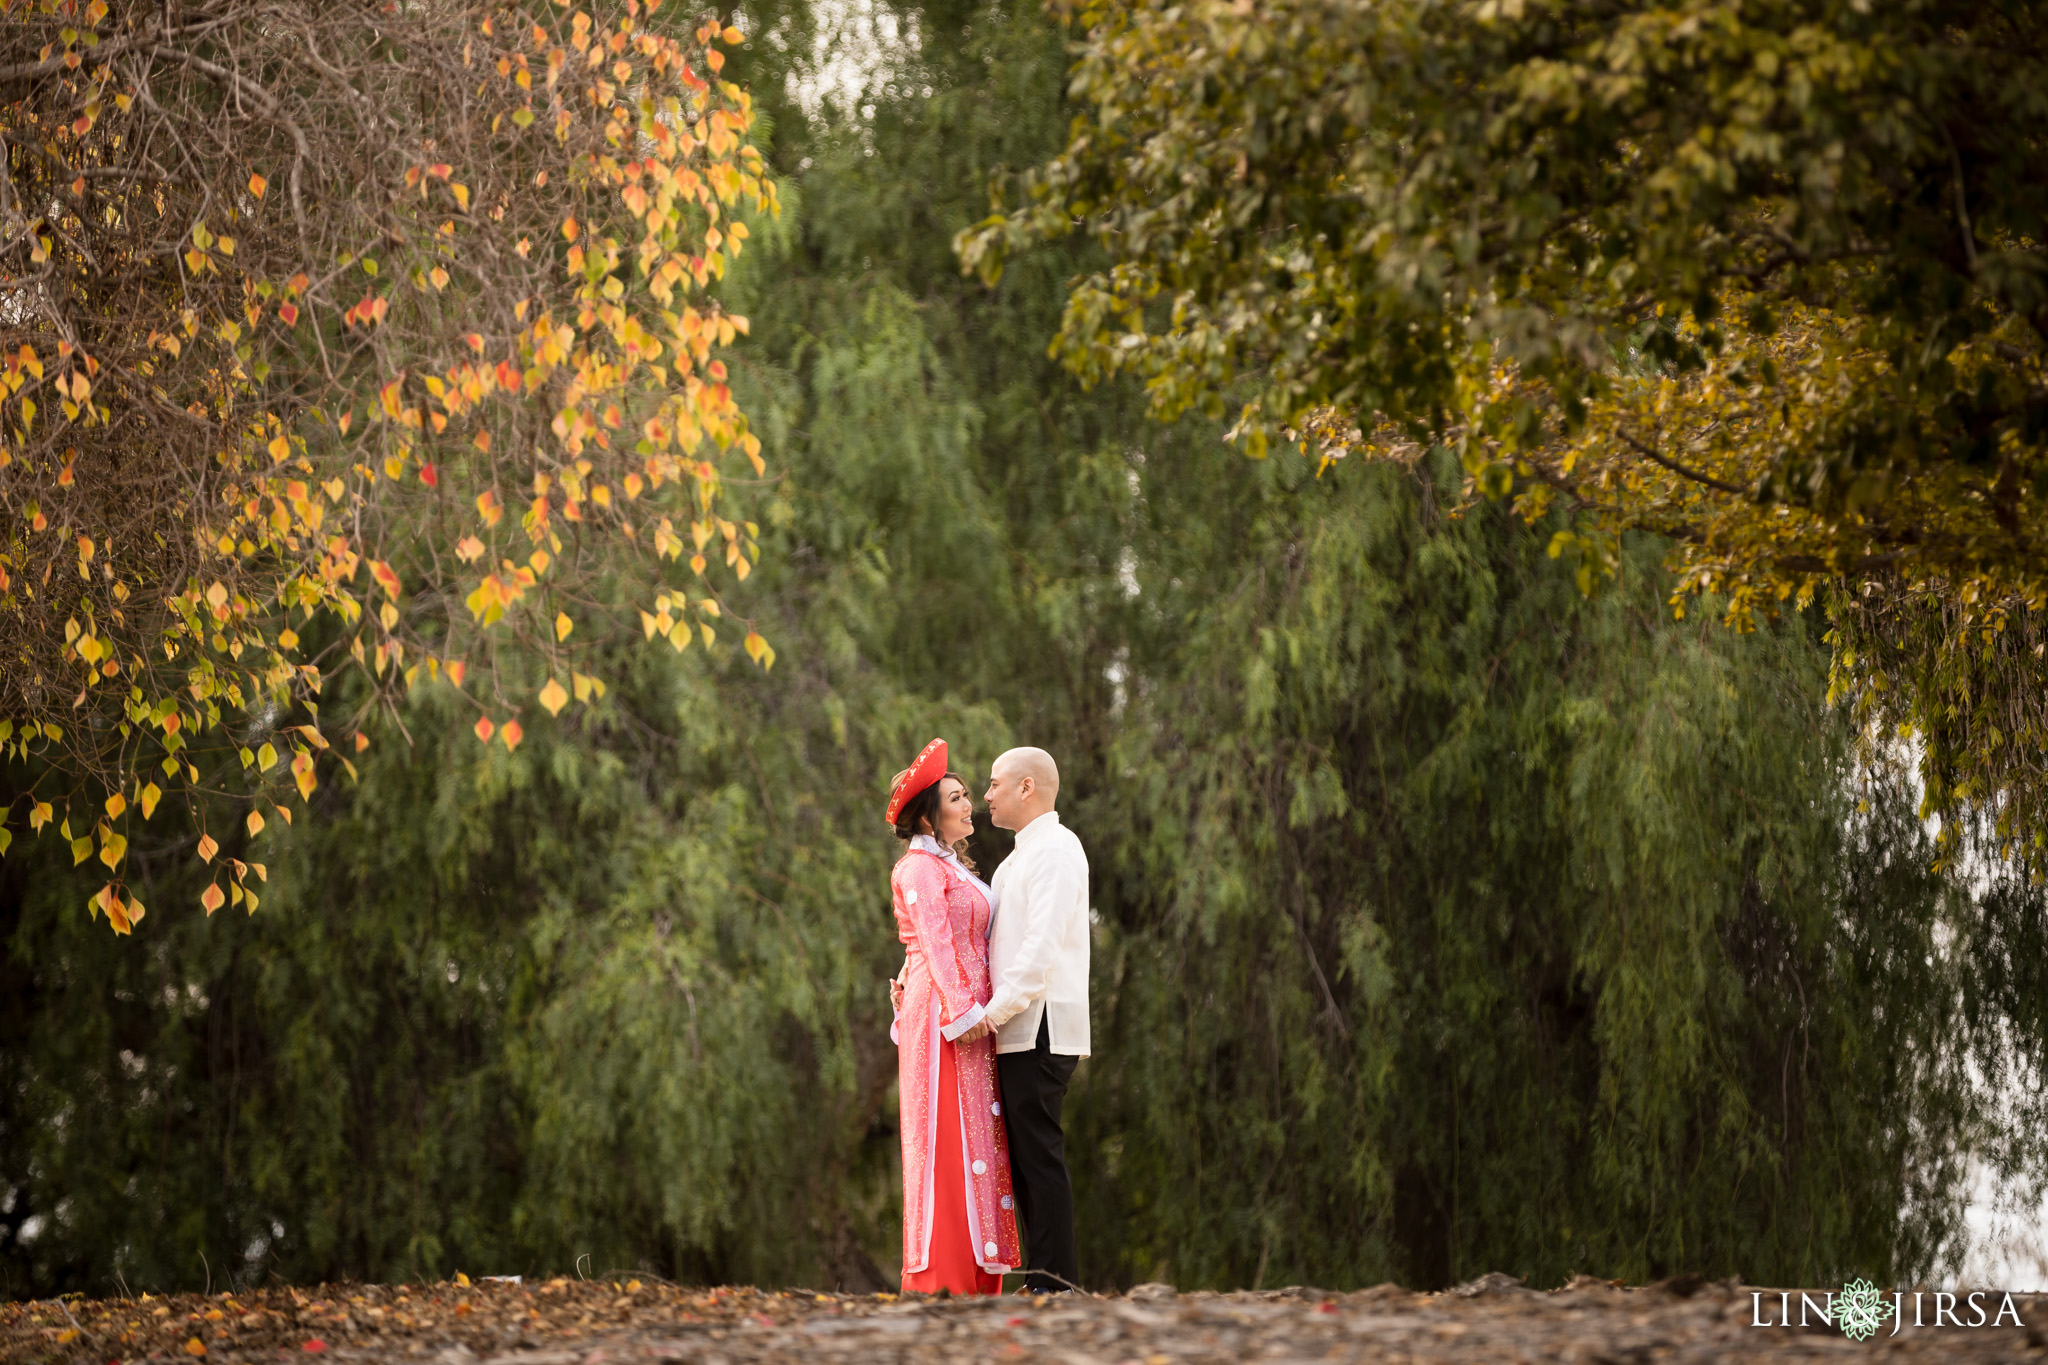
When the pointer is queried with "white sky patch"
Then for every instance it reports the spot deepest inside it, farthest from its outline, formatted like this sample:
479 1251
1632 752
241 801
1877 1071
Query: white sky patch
857 43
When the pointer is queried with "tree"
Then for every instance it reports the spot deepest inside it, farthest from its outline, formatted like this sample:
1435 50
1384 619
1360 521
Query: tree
1438 929
1766 279
351 337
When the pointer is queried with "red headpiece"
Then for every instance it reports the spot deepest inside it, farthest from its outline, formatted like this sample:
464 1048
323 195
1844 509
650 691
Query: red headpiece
929 768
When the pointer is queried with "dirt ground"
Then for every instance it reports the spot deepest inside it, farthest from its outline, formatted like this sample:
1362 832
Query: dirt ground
612 1322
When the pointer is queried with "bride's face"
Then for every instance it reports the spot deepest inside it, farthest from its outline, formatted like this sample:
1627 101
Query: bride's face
956 812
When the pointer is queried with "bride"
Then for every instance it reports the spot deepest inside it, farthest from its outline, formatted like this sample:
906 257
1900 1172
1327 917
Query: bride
959 1232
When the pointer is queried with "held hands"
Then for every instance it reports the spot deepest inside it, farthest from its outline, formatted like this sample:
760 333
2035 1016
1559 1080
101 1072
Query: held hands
980 1030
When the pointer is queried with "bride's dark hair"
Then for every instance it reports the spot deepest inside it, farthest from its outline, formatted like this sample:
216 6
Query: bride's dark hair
925 806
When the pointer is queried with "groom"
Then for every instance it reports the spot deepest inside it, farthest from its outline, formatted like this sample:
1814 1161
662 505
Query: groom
1038 963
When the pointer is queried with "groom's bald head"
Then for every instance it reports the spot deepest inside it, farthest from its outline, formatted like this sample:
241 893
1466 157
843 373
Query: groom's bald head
1023 784
1035 764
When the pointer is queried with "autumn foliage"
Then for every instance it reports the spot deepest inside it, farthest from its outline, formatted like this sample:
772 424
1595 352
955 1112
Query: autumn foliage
352 337
1763 277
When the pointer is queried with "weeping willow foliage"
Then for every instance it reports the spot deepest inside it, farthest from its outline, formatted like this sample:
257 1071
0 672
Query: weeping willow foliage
1470 925
1448 921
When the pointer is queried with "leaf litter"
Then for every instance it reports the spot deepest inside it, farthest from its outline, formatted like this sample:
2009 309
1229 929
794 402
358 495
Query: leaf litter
612 1321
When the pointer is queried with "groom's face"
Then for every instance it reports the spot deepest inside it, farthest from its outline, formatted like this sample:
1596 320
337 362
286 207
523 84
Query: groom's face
1003 796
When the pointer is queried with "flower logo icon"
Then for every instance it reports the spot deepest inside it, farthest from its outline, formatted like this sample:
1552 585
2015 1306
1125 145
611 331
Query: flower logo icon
1859 1309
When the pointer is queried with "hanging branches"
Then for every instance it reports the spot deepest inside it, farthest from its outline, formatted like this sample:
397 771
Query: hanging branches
447 414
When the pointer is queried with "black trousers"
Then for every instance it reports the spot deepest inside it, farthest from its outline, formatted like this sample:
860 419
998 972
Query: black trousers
1034 1087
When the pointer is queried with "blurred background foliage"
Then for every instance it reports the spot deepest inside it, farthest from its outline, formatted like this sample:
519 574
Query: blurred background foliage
1449 921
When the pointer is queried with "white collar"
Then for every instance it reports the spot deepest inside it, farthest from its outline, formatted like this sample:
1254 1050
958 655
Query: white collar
1039 827
925 843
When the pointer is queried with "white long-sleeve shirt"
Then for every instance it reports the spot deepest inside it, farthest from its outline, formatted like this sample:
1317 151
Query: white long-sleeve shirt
1038 945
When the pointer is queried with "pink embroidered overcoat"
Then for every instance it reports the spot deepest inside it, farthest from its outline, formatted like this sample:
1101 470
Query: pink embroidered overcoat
943 921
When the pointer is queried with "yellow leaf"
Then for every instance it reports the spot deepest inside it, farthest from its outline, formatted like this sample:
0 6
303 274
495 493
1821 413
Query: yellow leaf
554 697
149 797
756 646
266 757
563 625
113 848
462 1279
81 849
195 1347
255 823
207 848
302 770
115 805
40 816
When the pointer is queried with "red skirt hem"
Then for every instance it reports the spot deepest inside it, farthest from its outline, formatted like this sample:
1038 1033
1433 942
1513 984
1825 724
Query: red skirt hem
952 1265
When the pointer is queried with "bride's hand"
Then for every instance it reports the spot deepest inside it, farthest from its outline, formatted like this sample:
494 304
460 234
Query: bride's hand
980 1030
896 995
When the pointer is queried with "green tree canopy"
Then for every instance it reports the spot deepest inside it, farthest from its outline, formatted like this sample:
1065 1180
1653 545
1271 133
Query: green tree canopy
1765 278
1449 920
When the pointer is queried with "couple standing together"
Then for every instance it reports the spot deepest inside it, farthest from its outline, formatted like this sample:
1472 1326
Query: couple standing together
991 1020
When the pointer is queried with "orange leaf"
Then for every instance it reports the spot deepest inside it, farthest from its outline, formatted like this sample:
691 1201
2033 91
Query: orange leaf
255 823
512 734
257 184
484 729
386 576
362 741
455 670
211 898
207 848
